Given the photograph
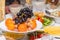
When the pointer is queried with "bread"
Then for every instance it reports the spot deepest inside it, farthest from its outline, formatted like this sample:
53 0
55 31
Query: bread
2 9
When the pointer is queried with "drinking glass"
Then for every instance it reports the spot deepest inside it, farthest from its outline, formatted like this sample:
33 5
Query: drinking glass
38 5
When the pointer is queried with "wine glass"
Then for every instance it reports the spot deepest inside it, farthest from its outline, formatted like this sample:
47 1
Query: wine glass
15 9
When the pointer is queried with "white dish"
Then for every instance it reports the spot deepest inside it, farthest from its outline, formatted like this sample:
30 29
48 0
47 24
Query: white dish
51 12
8 16
4 28
38 39
2 37
57 19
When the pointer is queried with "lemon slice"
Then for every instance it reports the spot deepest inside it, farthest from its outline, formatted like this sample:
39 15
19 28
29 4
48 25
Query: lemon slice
53 30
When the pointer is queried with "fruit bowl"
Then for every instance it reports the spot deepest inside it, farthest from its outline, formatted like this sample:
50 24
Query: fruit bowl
4 28
21 23
14 34
16 21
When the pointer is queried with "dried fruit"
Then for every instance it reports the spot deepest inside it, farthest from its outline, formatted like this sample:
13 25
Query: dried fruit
32 24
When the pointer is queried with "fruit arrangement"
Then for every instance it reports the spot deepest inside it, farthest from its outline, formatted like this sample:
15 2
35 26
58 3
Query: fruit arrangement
45 20
22 22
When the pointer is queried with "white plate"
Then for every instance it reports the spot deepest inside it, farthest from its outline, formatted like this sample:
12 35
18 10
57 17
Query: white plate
4 28
57 19
51 10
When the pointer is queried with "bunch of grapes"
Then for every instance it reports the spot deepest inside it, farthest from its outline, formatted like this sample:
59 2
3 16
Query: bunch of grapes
23 15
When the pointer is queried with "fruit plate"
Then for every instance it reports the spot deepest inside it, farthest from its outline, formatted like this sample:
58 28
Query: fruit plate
4 28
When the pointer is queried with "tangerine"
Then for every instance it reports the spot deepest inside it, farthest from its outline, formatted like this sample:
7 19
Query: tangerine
22 27
9 23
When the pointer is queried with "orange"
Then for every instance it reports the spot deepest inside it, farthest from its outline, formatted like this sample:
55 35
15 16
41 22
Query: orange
22 27
9 23
11 26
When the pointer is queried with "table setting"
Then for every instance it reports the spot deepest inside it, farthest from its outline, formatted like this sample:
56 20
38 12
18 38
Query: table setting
39 21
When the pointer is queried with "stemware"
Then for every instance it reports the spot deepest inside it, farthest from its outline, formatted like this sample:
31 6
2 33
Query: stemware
38 5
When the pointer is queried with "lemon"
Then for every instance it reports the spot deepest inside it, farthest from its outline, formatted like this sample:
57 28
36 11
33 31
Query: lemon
53 30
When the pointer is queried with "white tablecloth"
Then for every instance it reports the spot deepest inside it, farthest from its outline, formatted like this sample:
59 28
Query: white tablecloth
2 37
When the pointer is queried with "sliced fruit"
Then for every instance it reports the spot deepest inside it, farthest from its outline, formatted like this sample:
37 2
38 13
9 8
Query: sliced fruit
32 24
22 27
40 19
47 21
53 30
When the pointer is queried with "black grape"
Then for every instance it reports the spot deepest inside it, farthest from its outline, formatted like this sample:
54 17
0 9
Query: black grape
16 20
24 14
